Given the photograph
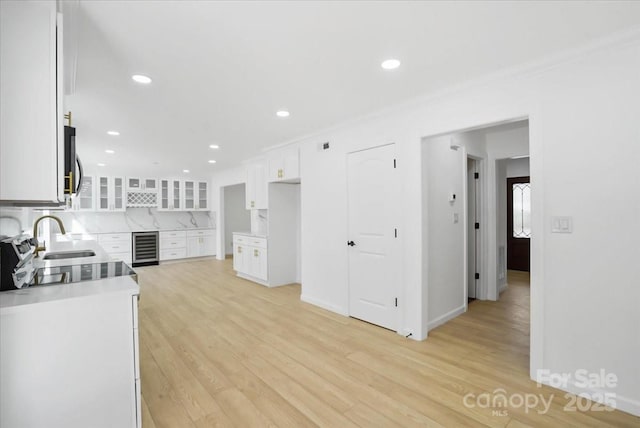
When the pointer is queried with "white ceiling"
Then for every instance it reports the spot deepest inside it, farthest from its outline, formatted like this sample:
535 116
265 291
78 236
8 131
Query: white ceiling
222 69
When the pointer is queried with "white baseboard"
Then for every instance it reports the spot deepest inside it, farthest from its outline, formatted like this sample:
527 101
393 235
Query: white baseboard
624 404
444 318
252 279
628 405
324 305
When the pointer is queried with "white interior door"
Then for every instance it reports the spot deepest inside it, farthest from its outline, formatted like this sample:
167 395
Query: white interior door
372 240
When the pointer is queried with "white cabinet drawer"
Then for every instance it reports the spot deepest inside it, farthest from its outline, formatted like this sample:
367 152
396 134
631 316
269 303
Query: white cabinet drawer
173 234
205 232
250 240
117 247
173 253
173 243
257 242
240 239
114 237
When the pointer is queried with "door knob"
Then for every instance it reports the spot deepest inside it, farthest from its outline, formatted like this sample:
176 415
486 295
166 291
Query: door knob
351 243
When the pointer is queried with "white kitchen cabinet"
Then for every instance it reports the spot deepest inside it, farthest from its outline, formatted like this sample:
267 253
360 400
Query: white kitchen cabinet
196 195
250 258
189 195
240 255
200 243
110 194
72 353
202 203
258 266
31 111
173 245
284 165
135 184
256 188
85 199
117 245
171 195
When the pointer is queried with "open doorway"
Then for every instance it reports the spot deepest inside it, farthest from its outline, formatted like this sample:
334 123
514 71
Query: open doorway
465 215
236 217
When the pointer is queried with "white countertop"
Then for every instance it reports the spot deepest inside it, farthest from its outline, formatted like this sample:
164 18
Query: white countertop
253 235
14 300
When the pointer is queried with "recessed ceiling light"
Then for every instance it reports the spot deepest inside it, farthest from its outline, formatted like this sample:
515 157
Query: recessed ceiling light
390 64
282 113
141 78
102 164
109 151
186 171
212 161
114 133
214 146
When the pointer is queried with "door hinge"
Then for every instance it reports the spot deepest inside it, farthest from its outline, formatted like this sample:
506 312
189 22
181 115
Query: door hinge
395 232
476 175
394 163
477 225
396 302
477 275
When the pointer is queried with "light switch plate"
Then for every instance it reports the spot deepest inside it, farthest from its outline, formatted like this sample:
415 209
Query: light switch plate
561 224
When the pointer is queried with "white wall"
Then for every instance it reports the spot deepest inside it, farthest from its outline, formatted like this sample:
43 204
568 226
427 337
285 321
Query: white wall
236 217
584 153
444 268
517 167
15 220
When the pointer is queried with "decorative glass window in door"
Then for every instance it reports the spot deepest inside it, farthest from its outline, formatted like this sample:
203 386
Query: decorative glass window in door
522 210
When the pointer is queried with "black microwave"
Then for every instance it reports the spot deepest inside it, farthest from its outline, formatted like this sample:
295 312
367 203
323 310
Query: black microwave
72 165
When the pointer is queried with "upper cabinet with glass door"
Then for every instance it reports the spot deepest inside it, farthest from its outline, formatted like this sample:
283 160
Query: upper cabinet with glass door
183 195
85 199
110 195
135 184
171 195
189 195
202 203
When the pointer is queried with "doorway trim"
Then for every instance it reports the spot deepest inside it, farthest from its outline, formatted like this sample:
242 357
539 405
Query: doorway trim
481 246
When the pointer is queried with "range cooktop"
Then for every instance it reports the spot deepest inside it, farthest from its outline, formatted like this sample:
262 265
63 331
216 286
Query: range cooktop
81 273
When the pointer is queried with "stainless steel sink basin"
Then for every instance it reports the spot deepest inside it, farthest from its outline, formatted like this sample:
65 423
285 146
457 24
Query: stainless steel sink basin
68 254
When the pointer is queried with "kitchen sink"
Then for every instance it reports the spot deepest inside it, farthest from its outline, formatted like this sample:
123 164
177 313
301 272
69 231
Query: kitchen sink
68 254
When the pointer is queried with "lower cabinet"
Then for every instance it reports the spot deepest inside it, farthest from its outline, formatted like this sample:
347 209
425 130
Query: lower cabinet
117 245
200 243
250 257
182 244
173 245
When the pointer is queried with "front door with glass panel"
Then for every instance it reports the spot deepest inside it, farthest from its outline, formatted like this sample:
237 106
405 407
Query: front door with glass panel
518 223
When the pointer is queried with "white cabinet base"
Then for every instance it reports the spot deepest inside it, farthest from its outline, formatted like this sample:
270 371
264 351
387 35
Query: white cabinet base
254 279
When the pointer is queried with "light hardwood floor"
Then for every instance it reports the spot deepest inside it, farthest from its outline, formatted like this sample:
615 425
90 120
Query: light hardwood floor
217 350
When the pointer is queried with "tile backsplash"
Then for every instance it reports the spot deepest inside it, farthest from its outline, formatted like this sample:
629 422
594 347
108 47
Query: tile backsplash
135 219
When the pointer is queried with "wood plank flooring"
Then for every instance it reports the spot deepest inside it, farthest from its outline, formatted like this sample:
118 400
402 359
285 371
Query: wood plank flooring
219 351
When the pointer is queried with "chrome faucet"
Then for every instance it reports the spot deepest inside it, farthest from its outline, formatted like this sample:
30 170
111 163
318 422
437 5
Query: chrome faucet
35 231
